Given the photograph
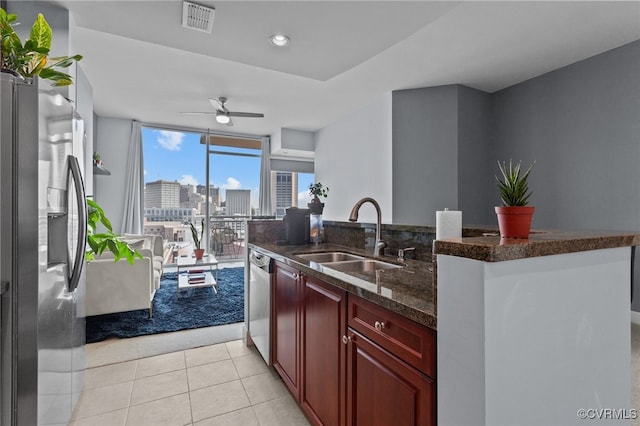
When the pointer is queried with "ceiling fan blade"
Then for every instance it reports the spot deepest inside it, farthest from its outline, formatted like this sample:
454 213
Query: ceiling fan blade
198 113
230 123
219 104
245 114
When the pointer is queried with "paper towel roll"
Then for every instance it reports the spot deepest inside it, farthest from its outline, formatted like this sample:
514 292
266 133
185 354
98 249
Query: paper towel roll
448 224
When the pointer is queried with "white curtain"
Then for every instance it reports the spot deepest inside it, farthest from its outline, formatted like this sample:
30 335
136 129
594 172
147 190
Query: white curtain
265 179
133 214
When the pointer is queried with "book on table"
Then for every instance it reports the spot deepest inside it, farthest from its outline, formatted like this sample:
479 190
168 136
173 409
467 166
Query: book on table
196 278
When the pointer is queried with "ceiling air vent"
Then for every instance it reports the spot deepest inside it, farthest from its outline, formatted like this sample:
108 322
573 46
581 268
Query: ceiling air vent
197 17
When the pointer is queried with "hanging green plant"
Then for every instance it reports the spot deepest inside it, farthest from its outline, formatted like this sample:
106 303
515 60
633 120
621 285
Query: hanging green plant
31 59
98 242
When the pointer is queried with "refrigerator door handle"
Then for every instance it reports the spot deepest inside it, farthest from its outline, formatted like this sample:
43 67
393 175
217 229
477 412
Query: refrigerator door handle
82 222
633 264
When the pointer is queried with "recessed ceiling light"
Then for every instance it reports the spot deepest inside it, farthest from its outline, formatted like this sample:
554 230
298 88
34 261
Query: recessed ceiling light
279 40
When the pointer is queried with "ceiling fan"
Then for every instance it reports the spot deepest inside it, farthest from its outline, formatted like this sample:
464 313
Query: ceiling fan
223 115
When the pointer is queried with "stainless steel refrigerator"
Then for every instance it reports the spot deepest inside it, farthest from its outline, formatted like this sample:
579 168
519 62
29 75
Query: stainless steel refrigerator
42 242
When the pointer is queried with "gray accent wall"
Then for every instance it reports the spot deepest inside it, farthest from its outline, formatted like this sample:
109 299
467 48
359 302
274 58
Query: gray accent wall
581 124
441 154
424 153
476 185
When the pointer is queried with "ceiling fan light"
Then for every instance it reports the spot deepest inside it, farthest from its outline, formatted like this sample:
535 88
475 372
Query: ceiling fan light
222 118
279 40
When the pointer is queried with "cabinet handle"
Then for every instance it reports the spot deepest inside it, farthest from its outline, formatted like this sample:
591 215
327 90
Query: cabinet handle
379 325
296 276
346 339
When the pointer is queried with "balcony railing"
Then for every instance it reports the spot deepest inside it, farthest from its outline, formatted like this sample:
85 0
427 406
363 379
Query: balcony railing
226 240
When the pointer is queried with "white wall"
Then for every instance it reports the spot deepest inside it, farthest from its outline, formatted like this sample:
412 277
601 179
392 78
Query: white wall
83 96
530 341
353 158
113 145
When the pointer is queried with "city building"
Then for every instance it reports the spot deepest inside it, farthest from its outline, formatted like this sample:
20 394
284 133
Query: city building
238 202
170 214
284 191
170 231
214 193
162 193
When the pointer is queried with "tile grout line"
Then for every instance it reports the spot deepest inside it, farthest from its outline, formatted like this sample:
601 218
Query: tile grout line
133 383
186 372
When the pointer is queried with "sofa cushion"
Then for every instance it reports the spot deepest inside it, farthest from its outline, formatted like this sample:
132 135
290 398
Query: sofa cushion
137 245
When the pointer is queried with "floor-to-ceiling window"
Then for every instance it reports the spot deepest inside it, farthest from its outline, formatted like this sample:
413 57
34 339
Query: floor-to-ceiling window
184 185
234 185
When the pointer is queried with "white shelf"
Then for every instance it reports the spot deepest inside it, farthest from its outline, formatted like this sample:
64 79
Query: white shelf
100 170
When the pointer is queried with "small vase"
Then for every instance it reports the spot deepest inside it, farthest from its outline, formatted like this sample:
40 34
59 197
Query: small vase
199 253
315 207
514 222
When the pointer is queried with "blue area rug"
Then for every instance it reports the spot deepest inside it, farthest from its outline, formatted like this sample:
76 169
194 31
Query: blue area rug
202 308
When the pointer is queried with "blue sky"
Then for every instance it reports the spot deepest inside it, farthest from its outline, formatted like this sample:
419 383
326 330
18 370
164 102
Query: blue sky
180 156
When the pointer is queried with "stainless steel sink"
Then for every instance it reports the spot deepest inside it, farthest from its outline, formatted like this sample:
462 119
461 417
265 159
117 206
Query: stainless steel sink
334 256
362 265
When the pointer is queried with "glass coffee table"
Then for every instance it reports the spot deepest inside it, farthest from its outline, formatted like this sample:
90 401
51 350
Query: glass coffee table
194 273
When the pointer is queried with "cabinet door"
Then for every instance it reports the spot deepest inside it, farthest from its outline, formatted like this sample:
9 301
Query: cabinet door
286 326
323 353
383 390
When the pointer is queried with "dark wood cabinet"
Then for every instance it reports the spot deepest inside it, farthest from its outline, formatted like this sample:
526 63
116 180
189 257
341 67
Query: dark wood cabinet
323 352
348 361
383 390
287 306
406 339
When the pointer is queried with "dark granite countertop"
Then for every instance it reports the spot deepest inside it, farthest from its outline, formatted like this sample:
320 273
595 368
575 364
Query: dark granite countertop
408 291
492 248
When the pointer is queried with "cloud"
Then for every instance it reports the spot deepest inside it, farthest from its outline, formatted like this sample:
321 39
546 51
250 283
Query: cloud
170 141
303 198
188 180
232 183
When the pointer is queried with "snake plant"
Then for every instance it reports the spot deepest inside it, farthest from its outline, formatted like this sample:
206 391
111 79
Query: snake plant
513 186
197 239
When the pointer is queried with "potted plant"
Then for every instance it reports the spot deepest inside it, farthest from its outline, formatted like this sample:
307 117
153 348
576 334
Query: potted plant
98 242
317 190
197 240
31 59
514 216
97 159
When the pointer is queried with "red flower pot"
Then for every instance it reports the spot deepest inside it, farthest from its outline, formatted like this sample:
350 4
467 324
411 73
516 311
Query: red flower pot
199 253
514 222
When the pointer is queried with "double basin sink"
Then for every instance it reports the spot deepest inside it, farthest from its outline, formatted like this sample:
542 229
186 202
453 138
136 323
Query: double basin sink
347 262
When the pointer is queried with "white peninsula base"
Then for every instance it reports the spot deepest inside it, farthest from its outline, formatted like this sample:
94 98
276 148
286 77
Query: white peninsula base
533 341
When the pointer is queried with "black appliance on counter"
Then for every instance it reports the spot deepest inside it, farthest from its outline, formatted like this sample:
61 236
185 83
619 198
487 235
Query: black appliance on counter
296 224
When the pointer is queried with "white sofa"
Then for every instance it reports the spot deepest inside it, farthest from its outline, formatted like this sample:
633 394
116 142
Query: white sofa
155 243
119 286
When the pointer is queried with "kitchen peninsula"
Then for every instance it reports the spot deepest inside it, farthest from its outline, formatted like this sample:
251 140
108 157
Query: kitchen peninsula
528 331
535 331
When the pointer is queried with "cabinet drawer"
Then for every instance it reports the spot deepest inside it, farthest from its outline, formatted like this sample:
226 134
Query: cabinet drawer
410 341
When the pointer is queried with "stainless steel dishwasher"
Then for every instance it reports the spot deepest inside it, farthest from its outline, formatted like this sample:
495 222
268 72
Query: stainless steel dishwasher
260 275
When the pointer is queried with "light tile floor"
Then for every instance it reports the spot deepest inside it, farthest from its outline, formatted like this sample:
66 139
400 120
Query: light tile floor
220 384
